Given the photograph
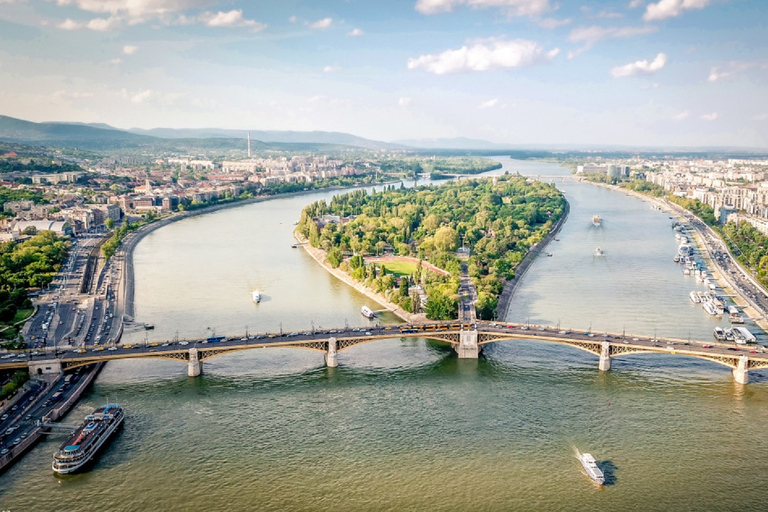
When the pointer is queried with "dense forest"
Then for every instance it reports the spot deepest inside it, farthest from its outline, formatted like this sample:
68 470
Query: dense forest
438 167
29 264
497 219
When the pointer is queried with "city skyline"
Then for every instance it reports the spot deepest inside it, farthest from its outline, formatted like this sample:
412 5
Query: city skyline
671 72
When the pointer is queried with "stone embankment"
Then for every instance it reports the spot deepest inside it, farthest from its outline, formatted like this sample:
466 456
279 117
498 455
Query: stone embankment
319 256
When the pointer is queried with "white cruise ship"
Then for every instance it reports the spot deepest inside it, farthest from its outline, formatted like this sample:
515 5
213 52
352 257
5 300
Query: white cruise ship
367 312
590 466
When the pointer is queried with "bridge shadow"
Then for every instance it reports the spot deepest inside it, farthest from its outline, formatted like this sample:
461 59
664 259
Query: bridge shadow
609 471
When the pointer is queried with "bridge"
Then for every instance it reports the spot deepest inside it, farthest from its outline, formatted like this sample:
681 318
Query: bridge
466 339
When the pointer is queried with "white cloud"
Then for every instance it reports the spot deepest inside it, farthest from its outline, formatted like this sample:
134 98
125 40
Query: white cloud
671 8
142 96
710 117
356 32
331 69
293 19
649 86
681 116
640 67
553 23
484 56
69 24
488 104
97 24
634 4
760 117
594 34
233 18
116 61
404 101
512 7
321 24
733 68
136 10
130 49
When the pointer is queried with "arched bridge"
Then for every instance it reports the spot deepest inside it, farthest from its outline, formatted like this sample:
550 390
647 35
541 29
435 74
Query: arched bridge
466 339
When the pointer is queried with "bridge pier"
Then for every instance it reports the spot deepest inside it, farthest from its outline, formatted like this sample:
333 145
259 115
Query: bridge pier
45 367
741 372
468 347
605 357
331 356
195 365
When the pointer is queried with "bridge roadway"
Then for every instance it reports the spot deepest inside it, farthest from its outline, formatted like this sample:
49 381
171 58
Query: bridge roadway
466 339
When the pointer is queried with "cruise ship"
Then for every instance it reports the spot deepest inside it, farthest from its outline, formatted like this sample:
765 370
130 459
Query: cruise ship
256 296
597 221
366 312
86 440
590 466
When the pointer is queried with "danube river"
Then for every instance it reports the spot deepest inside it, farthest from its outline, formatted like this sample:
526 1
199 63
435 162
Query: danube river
405 425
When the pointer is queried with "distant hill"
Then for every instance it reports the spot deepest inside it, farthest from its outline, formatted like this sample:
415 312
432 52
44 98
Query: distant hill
68 135
314 137
100 136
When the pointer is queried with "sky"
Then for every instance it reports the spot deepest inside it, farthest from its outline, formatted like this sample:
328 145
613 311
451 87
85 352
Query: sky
524 72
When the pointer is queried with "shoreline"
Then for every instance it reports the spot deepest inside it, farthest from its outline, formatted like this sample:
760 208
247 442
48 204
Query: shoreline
319 256
125 298
505 298
725 283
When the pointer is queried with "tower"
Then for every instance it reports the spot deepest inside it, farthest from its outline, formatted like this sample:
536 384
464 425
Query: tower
249 144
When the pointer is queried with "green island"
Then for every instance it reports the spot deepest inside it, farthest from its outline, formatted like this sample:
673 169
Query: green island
408 243
748 245
32 263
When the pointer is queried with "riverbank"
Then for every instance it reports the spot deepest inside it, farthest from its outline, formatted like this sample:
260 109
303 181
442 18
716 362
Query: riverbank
683 215
509 287
319 256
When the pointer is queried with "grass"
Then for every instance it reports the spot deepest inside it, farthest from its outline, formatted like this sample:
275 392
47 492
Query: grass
22 315
400 268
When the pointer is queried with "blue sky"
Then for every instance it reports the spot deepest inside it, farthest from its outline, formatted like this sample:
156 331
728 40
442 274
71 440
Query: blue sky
628 72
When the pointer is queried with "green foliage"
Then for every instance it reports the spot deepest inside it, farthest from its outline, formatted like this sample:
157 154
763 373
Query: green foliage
750 246
701 210
8 195
17 380
334 257
29 264
109 223
499 222
441 306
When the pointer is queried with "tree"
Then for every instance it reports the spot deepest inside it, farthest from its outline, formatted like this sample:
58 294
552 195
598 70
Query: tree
334 257
446 239
109 223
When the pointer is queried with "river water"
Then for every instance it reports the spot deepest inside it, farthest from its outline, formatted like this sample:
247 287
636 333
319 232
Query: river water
404 424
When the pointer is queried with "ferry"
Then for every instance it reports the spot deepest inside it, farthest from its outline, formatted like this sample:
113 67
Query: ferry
695 297
86 440
597 221
741 335
589 464
256 296
367 312
709 307
734 316
599 252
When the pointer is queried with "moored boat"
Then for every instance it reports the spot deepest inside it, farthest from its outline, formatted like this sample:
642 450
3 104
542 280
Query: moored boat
86 440
589 464
719 333
367 312
694 297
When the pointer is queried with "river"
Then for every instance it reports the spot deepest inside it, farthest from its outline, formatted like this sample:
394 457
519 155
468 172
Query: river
404 424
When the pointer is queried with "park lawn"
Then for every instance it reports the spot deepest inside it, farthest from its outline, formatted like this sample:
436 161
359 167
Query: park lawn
22 314
400 268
